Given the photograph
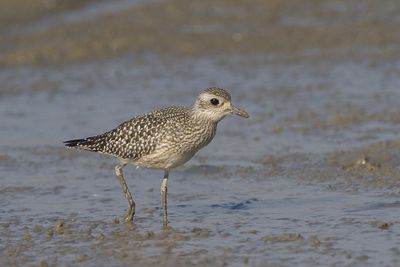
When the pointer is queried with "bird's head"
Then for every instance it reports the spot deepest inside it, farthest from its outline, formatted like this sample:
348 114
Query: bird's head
215 103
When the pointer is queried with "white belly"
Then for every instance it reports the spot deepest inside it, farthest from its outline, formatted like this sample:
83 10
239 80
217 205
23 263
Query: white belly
165 161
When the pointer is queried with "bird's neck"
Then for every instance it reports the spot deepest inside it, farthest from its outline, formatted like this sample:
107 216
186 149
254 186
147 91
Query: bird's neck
205 128
203 116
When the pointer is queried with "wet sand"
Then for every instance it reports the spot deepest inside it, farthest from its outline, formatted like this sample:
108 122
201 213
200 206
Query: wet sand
311 179
301 30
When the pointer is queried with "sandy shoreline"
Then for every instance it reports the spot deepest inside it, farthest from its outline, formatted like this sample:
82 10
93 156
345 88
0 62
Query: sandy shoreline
301 30
310 179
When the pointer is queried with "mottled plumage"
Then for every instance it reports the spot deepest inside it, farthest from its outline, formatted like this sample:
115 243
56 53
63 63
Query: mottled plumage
162 139
152 139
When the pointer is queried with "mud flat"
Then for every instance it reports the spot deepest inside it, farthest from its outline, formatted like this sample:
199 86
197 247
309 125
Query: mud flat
311 179
301 30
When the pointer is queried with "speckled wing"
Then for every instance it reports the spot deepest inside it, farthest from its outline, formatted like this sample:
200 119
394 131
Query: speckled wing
132 139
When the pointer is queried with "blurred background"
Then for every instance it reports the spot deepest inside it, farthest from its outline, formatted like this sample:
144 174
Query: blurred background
311 179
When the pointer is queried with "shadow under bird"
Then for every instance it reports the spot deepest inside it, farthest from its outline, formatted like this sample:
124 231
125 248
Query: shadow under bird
162 139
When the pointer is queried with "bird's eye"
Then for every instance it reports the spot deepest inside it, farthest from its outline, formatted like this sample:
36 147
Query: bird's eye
214 101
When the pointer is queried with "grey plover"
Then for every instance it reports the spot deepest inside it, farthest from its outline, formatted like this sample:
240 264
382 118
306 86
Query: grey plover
162 139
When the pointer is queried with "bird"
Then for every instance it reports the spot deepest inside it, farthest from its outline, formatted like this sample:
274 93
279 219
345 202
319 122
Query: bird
163 139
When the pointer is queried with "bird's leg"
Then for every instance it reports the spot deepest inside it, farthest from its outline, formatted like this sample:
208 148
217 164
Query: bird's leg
131 209
164 197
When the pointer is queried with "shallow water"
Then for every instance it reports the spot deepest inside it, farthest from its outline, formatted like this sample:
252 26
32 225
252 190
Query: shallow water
310 179
253 196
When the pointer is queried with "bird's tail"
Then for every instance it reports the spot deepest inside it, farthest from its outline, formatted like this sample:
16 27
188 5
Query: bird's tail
94 143
74 142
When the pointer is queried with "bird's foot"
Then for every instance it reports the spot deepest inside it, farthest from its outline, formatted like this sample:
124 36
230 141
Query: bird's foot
128 218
